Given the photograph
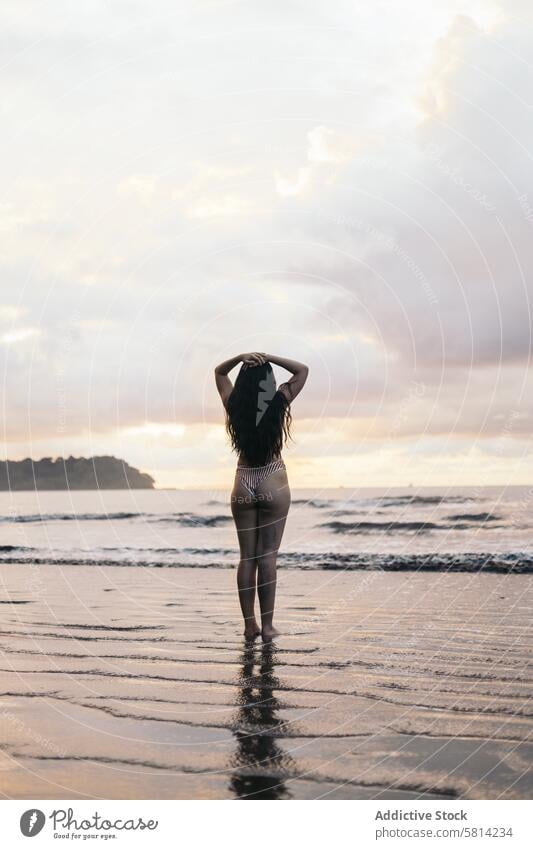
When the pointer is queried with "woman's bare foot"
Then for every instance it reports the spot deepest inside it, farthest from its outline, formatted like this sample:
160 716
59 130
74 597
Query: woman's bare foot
252 631
269 633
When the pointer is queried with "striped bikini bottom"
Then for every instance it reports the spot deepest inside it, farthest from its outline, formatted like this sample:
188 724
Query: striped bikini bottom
252 476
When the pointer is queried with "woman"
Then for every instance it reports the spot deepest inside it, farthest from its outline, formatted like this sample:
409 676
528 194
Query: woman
258 420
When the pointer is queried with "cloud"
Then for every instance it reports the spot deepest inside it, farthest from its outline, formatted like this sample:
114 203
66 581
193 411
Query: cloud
334 182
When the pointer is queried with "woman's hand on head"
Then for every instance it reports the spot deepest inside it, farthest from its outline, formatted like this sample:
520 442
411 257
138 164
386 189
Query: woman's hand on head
253 359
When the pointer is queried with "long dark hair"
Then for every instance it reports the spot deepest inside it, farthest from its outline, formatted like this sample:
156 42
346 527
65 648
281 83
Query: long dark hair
258 417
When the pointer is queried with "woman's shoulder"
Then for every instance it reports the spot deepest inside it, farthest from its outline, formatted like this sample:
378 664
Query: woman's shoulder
285 391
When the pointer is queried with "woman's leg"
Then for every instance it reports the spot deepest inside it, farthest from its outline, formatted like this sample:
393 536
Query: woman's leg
244 512
274 500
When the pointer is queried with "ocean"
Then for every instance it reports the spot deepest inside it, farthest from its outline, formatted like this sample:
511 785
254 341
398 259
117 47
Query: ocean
438 529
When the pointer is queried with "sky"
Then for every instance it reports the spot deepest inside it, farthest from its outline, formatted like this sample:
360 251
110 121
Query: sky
349 184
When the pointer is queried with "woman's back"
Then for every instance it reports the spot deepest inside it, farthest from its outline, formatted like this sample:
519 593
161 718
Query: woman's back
258 416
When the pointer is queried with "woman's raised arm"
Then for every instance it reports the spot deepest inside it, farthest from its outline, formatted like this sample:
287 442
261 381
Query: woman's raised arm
299 375
224 384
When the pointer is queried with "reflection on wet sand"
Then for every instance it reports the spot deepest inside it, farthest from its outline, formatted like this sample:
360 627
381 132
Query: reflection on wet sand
409 686
259 764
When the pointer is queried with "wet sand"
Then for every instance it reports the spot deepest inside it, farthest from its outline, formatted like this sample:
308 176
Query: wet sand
124 682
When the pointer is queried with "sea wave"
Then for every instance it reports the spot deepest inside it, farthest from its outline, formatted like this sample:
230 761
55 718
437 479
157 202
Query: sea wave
224 558
419 527
183 519
191 520
474 517
29 518
385 501
399 500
